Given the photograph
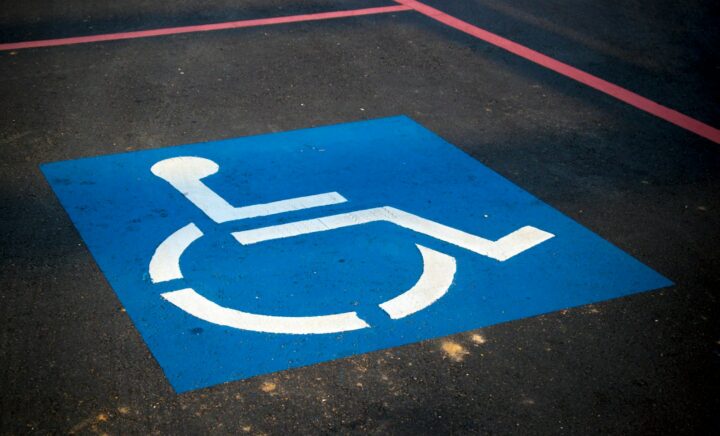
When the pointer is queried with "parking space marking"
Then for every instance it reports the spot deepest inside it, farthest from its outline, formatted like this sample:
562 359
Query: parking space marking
645 104
202 28
429 242
611 89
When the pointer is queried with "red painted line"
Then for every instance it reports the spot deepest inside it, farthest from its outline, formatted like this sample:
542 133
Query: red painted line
622 94
202 28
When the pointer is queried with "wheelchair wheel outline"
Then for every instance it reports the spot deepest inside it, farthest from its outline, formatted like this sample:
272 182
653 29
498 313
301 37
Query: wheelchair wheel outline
434 282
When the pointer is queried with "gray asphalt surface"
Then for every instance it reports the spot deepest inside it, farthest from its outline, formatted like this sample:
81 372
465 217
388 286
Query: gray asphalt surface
72 361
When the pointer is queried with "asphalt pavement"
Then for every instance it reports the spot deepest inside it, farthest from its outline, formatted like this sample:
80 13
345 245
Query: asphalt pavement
649 363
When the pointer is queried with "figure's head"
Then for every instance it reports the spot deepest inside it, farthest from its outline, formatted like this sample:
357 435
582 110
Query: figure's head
184 168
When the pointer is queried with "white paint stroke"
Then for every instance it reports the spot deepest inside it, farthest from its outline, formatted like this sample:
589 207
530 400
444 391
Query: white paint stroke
502 249
200 307
437 276
165 263
185 174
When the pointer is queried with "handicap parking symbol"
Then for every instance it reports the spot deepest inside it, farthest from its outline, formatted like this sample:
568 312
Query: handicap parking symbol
247 256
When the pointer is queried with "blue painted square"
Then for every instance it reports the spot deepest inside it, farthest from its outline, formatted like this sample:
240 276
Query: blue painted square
393 241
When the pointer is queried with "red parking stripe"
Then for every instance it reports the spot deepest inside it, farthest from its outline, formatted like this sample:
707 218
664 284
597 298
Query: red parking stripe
201 28
622 94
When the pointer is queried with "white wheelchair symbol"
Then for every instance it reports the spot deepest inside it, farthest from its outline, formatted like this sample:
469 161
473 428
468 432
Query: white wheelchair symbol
186 173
